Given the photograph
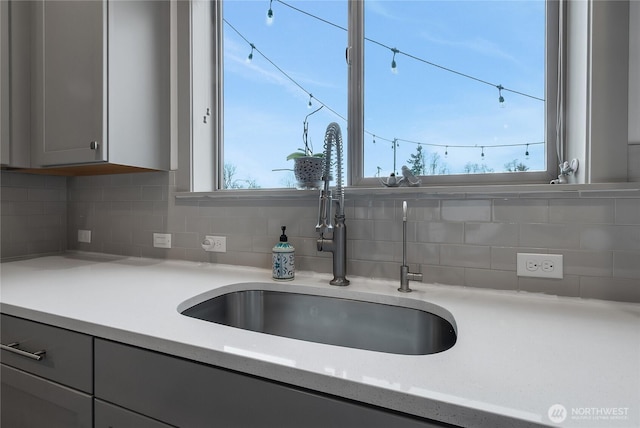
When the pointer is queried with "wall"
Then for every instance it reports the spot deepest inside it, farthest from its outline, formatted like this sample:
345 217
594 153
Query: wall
633 160
462 239
33 215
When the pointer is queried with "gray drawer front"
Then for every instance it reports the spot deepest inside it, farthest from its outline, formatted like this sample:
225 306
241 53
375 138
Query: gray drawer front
110 416
68 358
189 394
31 401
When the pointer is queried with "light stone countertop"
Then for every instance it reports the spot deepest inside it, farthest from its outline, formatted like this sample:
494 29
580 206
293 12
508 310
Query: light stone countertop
517 354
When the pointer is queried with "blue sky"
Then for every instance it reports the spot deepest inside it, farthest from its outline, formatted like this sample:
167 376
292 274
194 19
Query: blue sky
500 42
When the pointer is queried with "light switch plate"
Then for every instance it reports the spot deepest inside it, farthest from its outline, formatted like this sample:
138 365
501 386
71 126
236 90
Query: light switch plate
84 236
162 240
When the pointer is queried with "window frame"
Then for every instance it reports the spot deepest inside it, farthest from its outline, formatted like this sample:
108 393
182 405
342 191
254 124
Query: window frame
355 110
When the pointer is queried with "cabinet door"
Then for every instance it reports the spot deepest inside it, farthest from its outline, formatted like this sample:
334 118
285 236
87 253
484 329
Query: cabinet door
70 82
109 416
29 401
189 394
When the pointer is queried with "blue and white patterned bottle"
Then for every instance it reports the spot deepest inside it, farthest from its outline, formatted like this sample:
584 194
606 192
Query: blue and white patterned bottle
284 259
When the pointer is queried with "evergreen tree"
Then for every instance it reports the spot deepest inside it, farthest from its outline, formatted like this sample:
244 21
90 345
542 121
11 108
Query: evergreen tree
417 162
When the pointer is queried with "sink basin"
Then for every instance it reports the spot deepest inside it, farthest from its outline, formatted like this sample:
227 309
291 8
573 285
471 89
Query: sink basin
331 320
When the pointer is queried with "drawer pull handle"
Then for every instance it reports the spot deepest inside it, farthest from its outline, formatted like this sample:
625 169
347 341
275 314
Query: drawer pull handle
13 347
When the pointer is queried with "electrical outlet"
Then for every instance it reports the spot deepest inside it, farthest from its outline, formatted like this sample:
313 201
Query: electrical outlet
84 236
540 265
162 240
216 244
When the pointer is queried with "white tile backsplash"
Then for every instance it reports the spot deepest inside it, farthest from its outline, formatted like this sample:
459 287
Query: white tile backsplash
452 239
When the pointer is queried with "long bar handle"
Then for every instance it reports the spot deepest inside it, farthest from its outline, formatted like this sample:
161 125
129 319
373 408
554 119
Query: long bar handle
13 347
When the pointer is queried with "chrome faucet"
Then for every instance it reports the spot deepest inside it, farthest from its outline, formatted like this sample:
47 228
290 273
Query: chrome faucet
337 244
405 275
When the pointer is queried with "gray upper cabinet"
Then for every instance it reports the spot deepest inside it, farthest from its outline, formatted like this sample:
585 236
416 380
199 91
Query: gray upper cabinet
101 83
15 76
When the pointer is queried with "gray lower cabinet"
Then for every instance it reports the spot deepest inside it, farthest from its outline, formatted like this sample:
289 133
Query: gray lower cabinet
110 416
189 394
46 377
30 401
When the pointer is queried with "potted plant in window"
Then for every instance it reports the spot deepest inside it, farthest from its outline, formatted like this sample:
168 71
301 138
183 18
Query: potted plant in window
307 166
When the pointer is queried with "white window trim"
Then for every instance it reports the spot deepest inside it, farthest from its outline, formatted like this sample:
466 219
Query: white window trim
355 178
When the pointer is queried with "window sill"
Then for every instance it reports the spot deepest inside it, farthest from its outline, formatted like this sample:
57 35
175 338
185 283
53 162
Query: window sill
599 190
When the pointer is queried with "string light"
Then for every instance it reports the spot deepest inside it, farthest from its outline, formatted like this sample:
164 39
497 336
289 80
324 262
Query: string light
394 68
395 142
310 104
482 153
270 14
526 153
500 97
446 151
395 51
250 57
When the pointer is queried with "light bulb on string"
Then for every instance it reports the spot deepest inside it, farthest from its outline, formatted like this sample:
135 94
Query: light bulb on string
270 14
446 151
310 104
394 66
374 139
500 97
250 57
526 153
482 153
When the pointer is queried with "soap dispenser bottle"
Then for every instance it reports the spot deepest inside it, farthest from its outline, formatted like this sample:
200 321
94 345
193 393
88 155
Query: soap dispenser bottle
284 267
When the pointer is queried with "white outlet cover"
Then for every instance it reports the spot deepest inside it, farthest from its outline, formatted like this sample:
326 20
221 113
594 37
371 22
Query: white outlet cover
84 236
162 240
546 265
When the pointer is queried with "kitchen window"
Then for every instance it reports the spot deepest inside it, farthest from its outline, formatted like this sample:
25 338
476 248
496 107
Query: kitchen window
459 92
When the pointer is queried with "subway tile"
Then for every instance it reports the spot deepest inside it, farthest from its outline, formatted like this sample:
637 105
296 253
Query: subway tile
626 264
24 208
369 269
583 210
373 250
466 210
14 194
360 229
609 237
617 289
153 193
521 210
627 211
122 193
440 232
185 240
19 179
487 278
46 195
503 234
448 275
568 286
587 263
554 236
390 230
465 256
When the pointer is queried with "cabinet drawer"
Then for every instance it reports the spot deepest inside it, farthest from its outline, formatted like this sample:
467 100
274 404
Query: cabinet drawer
67 357
189 394
109 416
31 401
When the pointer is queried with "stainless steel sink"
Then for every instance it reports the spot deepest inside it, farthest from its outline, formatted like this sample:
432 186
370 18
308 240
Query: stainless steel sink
330 320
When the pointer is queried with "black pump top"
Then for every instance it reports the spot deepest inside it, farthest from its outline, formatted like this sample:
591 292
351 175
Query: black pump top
283 237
